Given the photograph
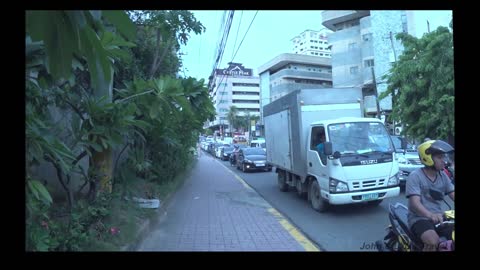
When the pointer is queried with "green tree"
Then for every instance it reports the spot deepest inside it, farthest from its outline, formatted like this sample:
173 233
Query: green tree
232 117
159 36
422 85
57 44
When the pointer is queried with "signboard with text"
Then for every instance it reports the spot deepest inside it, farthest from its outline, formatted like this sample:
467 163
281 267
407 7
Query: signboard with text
234 69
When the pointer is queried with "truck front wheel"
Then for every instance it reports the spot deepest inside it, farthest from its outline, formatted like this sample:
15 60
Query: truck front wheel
282 181
318 203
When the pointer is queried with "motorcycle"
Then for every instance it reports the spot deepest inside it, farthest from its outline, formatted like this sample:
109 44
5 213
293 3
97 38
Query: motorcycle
400 238
233 161
450 173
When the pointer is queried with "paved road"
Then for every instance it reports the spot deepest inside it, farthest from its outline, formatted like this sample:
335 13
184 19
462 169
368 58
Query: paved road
345 228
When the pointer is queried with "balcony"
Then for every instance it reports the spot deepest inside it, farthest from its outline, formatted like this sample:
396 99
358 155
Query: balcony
332 17
247 105
370 104
245 97
367 75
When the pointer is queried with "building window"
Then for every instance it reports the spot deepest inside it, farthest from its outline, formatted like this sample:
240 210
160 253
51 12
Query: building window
245 93
245 101
354 23
368 63
404 22
246 84
352 45
353 70
367 37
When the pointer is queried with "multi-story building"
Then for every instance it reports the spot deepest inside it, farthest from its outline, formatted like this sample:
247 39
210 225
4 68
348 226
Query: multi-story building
288 72
236 86
364 47
311 42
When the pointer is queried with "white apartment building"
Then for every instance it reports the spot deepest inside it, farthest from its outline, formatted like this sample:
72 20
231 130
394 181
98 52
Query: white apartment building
234 85
288 72
311 42
363 44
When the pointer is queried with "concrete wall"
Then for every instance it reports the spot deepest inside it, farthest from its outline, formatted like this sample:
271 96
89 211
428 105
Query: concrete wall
46 172
345 57
384 22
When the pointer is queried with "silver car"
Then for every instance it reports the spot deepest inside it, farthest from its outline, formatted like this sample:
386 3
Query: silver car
408 159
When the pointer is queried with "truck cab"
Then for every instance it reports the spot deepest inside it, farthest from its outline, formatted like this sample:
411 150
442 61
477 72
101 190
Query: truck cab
358 165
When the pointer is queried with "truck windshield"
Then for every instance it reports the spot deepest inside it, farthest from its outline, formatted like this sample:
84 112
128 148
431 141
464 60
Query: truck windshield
359 138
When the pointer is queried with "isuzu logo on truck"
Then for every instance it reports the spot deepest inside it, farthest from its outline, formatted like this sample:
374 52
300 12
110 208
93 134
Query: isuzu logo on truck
366 162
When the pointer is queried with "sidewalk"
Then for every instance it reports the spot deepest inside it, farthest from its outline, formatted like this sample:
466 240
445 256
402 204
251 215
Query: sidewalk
217 211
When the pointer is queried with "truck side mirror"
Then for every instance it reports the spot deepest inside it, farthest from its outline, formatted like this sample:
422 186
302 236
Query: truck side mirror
327 148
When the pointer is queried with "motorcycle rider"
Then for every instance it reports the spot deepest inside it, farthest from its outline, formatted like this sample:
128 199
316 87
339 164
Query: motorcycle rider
424 211
233 156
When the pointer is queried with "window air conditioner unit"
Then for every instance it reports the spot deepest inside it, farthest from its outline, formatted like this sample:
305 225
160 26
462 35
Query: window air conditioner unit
398 130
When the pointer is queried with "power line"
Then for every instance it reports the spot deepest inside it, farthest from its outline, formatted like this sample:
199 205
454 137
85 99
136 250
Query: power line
245 35
221 47
239 46
238 30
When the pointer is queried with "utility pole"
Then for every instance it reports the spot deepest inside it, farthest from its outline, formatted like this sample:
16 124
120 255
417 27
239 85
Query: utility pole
428 26
376 93
393 47
395 59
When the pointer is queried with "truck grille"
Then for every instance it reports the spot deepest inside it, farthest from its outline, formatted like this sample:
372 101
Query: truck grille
363 184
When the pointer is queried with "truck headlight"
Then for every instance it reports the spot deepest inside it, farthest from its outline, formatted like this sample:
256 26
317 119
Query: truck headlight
337 185
393 181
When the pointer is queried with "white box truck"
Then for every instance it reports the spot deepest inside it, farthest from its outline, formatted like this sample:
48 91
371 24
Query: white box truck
358 162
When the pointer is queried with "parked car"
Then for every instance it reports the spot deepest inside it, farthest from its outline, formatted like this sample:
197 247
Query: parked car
408 159
213 148
253 158
219 150
226 152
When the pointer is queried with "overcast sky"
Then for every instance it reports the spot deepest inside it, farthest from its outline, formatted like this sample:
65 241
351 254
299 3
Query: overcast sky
269 35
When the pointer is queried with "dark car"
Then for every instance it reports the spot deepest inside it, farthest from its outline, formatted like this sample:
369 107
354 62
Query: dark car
253 158
226 152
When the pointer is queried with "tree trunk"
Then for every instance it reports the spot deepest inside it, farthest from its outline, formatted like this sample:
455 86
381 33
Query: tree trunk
103 171
101 163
